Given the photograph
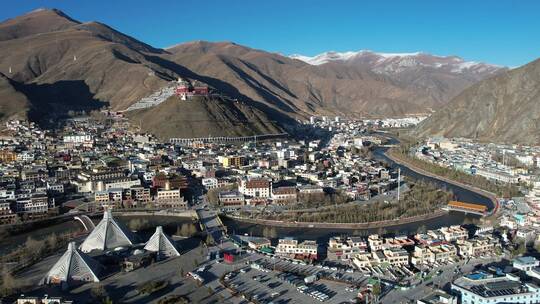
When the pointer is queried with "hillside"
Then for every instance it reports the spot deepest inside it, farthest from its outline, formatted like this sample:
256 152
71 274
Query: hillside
13 104
439 78
504 108
294 87
60 64
89 59
202 117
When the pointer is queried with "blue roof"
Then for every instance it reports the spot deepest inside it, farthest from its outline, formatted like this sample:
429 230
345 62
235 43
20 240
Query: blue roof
526 260
476 276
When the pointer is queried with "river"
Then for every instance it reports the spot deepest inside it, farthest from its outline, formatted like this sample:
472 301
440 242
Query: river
323 234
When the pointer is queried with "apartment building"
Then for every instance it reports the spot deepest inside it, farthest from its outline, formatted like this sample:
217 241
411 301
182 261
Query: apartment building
340 249
291 247
454 233
475 247
256 187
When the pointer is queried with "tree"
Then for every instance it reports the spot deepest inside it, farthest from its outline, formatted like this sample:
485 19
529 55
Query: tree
376 289
8 285
184 230
52 241
98 291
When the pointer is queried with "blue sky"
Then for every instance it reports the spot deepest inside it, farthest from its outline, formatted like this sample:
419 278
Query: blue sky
496 31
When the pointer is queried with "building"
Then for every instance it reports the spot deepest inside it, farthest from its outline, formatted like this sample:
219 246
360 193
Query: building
161 244
340 249
438 297
31 205
233 161
284 195
256 187
46 299
108 234
396 256
7 156
291 247
170 199
375 243
487 289
74 267
429 254
186 91
73 140
454 233
209 183
525 263
6 214
476 247
258 243
233 199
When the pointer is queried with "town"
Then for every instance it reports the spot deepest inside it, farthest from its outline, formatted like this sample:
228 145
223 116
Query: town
99 171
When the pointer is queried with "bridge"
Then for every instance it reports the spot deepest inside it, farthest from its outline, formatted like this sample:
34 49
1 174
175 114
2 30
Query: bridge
467 208
223 139
212 224
86 222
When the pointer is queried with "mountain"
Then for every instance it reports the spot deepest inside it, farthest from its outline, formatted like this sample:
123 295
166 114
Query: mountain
440 78
57 64
206 117
60 64
13 104
504 108
75 64
295 88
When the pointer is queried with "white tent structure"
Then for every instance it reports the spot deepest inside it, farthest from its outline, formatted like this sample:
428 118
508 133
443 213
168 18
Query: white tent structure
162 244
108 234
73 267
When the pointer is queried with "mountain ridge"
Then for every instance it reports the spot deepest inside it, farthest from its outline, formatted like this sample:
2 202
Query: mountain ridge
60 63
503 108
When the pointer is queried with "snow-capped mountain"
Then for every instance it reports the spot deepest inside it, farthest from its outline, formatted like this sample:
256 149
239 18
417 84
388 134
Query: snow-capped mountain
441 77
393 63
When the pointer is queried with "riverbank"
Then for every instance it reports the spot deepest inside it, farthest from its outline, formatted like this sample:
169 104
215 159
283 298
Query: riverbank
395 157
316 225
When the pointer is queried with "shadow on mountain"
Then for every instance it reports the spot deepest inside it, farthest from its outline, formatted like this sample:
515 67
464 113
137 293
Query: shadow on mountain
52 103
227 89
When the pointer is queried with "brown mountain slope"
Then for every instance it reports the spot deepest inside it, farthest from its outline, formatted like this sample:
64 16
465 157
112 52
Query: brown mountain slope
13 104
505 108
202 117
61 64
294 87
437 78
35 22
94 58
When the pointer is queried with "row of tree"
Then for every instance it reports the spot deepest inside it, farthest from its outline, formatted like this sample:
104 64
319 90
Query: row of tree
421 199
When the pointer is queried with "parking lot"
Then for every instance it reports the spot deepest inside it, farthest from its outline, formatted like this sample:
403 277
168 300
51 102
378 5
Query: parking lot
272 279
272 286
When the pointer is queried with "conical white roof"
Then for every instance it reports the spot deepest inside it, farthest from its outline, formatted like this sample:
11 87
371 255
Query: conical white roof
108 234
162 244
74 265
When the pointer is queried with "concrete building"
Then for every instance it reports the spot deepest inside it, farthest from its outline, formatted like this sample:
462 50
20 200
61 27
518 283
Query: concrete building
256 187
